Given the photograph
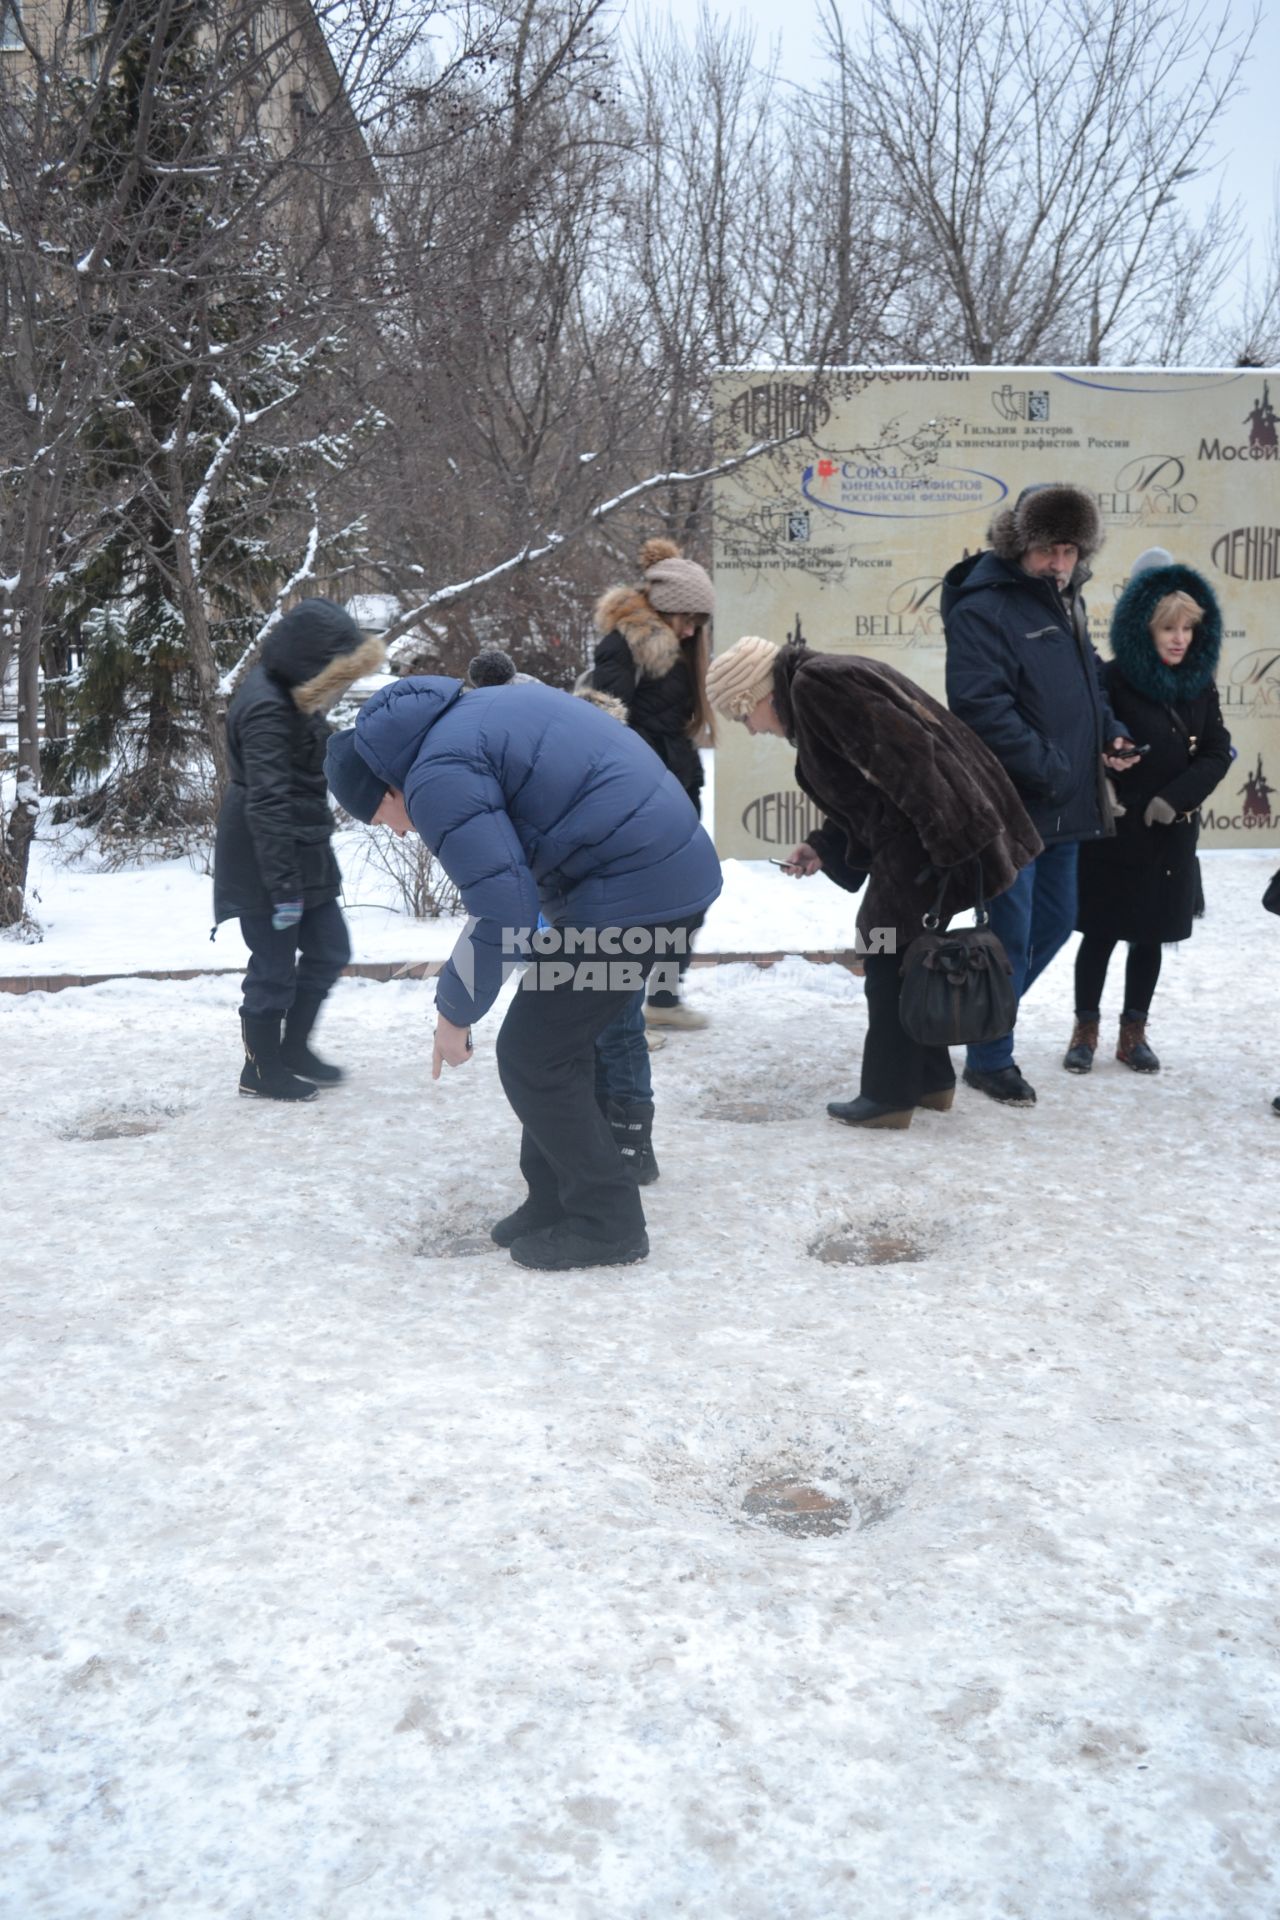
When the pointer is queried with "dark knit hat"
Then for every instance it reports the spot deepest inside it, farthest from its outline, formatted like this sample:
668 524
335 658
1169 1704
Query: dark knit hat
1048 515
352 781
491 668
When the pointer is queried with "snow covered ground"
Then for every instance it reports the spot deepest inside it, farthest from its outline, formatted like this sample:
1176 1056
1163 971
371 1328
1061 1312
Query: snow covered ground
355 1573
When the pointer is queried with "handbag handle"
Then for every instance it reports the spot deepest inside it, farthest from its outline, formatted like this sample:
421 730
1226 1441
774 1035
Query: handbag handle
933 919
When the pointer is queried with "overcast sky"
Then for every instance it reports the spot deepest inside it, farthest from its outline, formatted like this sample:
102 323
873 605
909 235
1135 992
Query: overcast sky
1247 160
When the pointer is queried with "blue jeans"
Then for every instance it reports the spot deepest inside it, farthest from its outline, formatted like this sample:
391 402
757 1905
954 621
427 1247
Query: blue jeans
1033 919
622 1056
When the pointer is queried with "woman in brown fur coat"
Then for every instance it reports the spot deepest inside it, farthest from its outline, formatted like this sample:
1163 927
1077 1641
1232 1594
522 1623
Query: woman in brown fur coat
910 795
653 658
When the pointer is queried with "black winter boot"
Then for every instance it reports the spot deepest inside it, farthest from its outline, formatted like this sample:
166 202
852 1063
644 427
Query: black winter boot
264 1075
559 1247
527 1218
632 1125
295 1052
1006 1085
1078 1057
1131 1048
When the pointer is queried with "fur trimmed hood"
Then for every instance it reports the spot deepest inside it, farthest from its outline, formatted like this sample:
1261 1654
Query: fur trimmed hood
318 651
654 648
1135 650
1046 516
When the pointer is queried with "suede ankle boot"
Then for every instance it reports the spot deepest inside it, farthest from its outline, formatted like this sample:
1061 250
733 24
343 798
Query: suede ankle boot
1131 1048
1084 1043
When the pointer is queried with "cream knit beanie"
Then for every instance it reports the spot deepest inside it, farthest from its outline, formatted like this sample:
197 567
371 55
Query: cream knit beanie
738 679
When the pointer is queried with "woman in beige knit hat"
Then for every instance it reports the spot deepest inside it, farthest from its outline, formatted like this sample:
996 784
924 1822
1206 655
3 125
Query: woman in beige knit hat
910 796
653 658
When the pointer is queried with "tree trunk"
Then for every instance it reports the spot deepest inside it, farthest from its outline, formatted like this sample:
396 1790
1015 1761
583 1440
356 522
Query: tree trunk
20 828
195 617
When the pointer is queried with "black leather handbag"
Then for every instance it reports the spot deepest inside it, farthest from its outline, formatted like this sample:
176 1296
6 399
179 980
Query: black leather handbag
1271 898
957 987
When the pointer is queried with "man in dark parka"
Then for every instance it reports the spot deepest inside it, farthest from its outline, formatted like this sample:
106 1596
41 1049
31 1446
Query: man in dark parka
538 804
273 866
1022 673
911 797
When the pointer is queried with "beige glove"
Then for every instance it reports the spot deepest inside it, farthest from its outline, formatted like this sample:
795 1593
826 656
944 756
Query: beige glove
1159 813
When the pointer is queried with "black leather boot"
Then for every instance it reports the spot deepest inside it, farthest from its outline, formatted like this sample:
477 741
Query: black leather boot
632 1125
868 1113
264 1075
294 1051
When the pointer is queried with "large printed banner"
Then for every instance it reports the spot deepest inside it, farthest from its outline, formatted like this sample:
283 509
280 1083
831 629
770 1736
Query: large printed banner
843 535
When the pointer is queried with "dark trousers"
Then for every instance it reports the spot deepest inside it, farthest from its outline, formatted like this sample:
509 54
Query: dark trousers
546 1052
1141 972
305 959
896 1070
1033 919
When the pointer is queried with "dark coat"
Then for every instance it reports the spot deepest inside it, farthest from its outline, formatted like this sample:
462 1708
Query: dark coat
906 787
274 825
534 801
1022 674
640 662
1143 884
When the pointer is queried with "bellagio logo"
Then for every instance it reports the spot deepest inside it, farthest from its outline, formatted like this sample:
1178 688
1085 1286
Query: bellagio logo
1249 553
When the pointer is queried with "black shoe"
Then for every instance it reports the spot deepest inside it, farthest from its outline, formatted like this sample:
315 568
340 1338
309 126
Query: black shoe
264 1075
294 1050
1275 1104
631 1122
562 1246
527 1218
869 1113
1007 1086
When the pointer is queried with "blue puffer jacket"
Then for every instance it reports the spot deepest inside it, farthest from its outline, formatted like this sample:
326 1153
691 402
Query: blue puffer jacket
533 800
1023 675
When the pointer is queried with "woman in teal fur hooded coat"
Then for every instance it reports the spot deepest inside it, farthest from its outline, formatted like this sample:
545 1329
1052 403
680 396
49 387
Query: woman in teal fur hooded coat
1141 886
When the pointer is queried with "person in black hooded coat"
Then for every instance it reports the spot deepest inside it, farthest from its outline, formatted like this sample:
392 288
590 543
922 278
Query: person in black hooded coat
1141 886
273 867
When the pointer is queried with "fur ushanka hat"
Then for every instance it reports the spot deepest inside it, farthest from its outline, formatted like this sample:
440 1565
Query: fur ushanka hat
1047 516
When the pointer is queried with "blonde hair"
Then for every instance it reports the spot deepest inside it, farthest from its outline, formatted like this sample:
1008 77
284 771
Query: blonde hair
1172 607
